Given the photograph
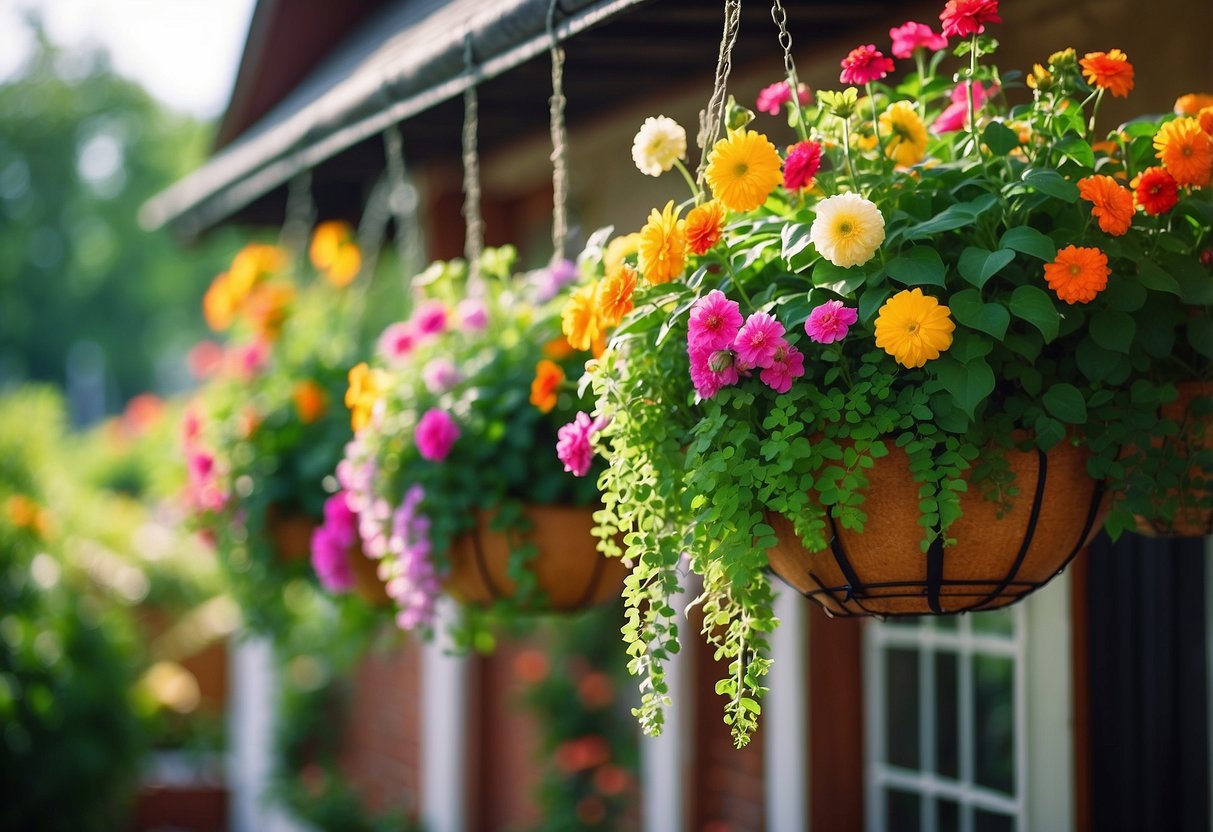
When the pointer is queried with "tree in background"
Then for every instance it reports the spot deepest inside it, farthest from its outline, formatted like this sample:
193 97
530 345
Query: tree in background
88 299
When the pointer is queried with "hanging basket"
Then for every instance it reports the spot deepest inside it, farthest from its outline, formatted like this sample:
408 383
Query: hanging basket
995 562
367 584
1193 514
290 532
570 571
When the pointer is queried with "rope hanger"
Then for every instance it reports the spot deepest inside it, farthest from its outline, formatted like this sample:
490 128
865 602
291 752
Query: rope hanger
473 245
559 131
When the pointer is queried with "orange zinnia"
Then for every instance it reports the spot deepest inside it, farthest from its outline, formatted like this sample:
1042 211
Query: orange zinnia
579 319
558 348
1205 119
1077 274
1155 190
704 224
1185 150
310 401
548 378
615 295
1109 71
1192 103
1111 204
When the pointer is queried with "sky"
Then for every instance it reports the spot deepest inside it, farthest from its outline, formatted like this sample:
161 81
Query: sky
185 52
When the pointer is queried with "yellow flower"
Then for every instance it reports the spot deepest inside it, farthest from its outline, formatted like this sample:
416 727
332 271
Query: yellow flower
218 305
663 247
913 328
366 389
743 169
847 229
907 135
335 253
619 249
579 320
1039 78
250 265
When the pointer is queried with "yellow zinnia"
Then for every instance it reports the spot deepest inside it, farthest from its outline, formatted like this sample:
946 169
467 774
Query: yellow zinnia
366 388
743 169
913 328
663 247
579 319
907 142
615 295
619 249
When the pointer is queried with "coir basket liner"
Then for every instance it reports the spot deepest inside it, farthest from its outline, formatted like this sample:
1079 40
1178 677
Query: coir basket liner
571 573
995 562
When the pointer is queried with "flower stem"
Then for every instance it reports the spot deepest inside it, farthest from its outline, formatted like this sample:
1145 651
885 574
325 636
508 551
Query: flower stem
969 89
846 152
920 60
686 174
875 116
1094 113
728 265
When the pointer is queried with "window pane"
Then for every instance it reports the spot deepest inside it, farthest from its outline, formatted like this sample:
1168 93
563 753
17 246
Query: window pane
946 623
901 707
907 621
994 728
947 746
984 821
903 811
949 816
1000 622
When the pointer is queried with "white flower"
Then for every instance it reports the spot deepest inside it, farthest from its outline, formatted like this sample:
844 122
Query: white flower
847 230
660 142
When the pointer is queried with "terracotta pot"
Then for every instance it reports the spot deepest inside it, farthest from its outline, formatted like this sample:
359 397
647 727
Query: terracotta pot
572 574
367 584
1195 434
995 562
290 531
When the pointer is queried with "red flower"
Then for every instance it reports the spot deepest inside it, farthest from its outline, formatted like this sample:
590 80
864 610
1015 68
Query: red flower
803 162
962 18
1155 190
865 64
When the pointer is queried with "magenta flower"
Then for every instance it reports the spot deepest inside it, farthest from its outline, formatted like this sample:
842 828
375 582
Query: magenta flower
962 18
435 434
333 543
429 319
573 445
802 164
829 322
713 323
473 317
953 118
771 99
910 36
340 519
758 341
865 64
397 341
787 365
251 359
711 370
440 375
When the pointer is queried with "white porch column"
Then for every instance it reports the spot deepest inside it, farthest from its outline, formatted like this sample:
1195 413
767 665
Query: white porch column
444 703
1047 685
785 718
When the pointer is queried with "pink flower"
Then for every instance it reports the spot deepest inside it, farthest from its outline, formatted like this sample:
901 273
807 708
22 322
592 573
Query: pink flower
548 282
714 322
397 341
440 375
802 164
829 322
340 519
953 118
771 99
787 365
429 318
435 434
249 360
473 317
573 445
333 543
962 18
910 36
712 370
865 64
758 340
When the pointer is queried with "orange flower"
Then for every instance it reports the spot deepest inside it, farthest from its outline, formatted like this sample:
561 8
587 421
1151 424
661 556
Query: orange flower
704 224
335 253
1205 119
218 306
579 321
1185 150
1192 103
249 421
21 510
548 378
558 348
268 308
311 401
1077 275
366 388
1109 71
1112 204
615 295
663 246
251 265
1155 190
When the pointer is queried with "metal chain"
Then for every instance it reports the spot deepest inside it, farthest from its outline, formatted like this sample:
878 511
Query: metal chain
710 119
559 131
402 202
789 66
300 214
474 241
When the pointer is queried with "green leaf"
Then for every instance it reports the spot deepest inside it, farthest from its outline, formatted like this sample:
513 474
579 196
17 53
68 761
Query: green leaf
1028 240
968 345
954 216
1049 432
969 384
999 138
1113 330
1066 403
1125 295
871 301
1194 289
837 279
1155 277
1032 304
978 265
919 266
1048 181
795 239
1097 363
991 318
1077 149
1200 335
